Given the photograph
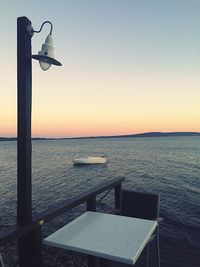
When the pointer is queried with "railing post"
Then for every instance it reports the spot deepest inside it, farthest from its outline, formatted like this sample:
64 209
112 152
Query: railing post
30 248
118 189
91 204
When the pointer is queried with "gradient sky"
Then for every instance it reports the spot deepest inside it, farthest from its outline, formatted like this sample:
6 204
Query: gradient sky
129 66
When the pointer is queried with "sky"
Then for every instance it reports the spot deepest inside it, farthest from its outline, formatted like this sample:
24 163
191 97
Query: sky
128 66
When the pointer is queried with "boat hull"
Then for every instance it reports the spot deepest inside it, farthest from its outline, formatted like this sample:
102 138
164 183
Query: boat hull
90 160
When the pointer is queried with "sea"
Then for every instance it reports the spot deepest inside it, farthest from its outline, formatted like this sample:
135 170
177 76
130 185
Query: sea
169 166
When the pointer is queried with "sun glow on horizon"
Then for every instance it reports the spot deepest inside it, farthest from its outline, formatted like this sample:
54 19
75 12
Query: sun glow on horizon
135 69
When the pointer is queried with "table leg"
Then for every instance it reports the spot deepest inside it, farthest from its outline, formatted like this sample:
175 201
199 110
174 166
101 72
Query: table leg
104 263
98 262
93 261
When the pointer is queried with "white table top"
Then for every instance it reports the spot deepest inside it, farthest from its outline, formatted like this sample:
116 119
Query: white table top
108 236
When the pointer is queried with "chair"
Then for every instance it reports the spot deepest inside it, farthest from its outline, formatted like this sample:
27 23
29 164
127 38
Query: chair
142 205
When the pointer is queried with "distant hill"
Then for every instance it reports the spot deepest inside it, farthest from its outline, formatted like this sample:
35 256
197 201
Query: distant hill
8 138
148 134
165 134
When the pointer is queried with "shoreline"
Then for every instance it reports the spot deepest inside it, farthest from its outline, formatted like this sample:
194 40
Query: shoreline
140 135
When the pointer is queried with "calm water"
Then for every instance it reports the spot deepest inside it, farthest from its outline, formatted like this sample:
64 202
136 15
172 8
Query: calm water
169 166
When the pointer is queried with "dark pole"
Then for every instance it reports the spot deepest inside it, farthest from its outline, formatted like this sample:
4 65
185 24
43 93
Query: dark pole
118 189
24 84
30 244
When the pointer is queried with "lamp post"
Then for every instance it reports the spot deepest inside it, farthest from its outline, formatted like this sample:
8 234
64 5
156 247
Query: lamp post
29 245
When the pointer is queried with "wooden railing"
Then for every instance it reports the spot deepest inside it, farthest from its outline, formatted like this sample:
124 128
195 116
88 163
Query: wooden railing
30 234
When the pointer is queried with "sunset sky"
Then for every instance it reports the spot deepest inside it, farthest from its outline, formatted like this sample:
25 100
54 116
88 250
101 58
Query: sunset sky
129 66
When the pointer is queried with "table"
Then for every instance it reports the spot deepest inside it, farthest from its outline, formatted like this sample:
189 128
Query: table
108 236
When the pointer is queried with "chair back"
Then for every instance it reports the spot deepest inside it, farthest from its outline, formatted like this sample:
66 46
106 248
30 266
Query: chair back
139 205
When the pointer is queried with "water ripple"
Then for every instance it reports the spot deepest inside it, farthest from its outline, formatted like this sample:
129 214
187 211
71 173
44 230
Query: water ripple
169 166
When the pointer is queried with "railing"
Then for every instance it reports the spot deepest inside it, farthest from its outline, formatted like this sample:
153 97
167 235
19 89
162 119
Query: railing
29 235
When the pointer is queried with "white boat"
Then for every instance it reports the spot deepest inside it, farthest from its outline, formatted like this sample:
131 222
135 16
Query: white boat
90 160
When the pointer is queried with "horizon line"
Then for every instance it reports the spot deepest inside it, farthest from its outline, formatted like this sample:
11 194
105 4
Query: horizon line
144 134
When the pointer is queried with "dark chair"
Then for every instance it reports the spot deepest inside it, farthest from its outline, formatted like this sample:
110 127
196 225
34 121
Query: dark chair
142 205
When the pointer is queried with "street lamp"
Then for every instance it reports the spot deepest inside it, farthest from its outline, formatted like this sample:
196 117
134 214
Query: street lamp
29 245
46 55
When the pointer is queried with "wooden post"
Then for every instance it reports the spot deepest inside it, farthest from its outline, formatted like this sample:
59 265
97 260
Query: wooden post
24 195
91 204
117 196
29 245
30 249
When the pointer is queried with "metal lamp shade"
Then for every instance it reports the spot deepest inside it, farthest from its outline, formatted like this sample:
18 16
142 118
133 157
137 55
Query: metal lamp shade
46 55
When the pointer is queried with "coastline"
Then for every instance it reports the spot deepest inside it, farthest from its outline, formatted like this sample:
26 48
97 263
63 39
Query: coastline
140 135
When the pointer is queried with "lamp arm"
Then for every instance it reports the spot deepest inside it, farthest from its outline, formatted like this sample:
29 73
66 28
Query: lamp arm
43 25
31 31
